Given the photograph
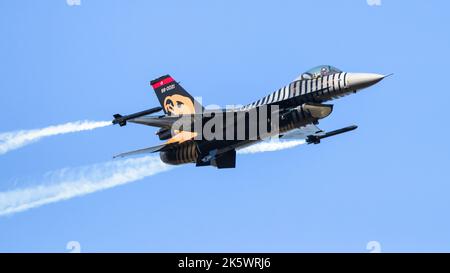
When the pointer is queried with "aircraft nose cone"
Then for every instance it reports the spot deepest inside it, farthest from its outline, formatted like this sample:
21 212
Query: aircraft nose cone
362 80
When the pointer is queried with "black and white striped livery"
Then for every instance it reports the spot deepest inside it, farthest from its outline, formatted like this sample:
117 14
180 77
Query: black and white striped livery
319 89
298 107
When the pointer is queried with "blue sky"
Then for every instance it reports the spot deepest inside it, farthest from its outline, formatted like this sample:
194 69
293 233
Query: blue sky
387 181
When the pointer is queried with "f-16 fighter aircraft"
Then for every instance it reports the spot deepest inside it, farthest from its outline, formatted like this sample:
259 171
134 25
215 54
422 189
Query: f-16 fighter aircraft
193 134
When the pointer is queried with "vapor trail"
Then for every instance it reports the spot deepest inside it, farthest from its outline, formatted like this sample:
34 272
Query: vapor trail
71 182
271 146
14 140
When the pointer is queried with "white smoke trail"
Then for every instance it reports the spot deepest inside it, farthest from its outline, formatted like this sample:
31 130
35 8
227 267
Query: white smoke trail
14 140
71 182
271 146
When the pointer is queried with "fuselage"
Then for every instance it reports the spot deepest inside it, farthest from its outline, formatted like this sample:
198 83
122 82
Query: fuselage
318 90
301 102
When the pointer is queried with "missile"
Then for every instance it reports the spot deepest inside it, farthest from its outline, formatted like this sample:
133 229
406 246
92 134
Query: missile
315 139
122 120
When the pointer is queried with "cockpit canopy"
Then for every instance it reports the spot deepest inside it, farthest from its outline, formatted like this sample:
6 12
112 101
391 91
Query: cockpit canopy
319 71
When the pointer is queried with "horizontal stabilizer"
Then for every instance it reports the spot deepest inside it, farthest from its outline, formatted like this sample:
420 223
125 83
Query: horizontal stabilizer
143 151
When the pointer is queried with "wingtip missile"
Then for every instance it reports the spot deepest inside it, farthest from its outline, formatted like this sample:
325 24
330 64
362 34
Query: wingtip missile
122 120
315 139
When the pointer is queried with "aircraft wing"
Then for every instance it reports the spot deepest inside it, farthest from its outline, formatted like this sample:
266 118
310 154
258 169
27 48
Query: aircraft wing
168 121
164 121
312 134
303 132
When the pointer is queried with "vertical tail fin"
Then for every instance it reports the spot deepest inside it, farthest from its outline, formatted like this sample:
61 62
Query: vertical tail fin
173 98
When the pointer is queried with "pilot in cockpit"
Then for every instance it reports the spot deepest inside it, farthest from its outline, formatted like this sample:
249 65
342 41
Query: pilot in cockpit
320 71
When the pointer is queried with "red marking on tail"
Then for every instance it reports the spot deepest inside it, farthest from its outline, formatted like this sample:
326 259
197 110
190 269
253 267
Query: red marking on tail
162 82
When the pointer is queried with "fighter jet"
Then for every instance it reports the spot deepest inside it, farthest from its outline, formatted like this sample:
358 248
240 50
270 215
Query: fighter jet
291 112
